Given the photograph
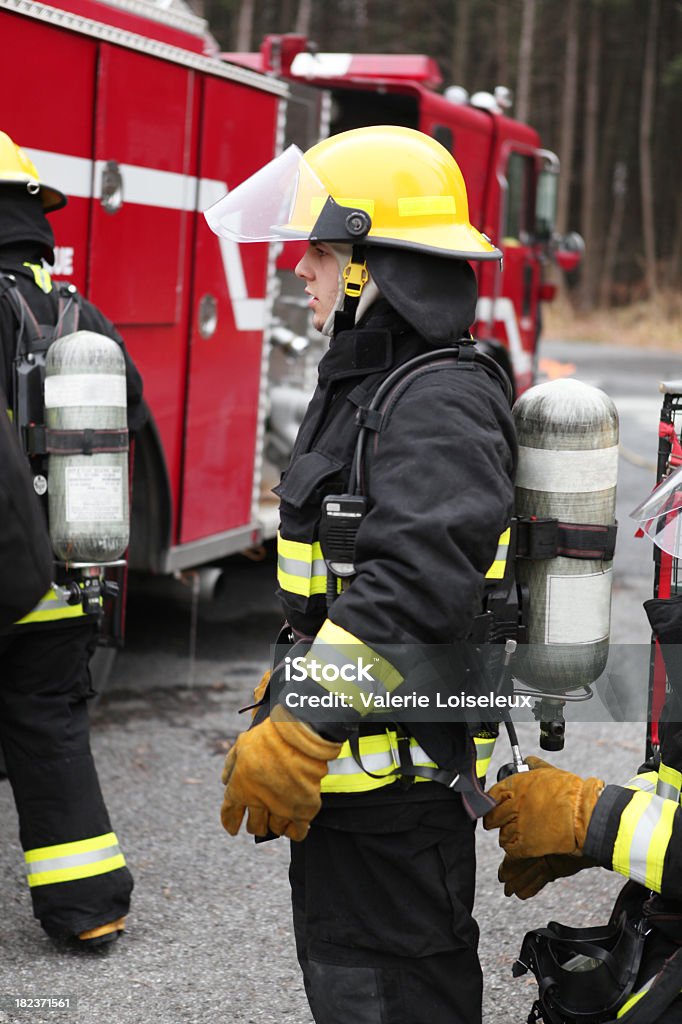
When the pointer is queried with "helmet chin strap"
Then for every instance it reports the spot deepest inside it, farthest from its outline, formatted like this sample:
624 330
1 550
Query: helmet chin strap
355 276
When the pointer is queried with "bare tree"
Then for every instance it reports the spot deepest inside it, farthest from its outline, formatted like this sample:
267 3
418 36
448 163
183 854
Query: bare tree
502 43
460 45
523 82
568 103
645 161
245 26
613 235
303 17
589 204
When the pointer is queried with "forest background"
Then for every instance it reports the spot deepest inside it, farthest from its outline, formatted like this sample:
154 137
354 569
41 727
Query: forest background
601 80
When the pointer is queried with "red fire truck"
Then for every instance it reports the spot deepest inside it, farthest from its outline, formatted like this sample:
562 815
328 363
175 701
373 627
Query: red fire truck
128 107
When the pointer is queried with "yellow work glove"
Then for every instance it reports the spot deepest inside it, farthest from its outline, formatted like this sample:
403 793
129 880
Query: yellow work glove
273 772
525 878
259 692
544 811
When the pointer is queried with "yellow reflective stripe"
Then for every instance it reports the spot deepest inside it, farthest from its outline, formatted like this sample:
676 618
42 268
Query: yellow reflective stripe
382 670
643 836
52 606
67 862
485 747
426 206
496 570
40 276
300 567
297 585
378 754
298 550
646 781
335 649
669 782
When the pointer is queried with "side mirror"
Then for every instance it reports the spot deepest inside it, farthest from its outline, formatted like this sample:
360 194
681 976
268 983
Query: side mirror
568 250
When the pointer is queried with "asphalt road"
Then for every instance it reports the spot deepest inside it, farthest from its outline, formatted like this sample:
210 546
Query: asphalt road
210 937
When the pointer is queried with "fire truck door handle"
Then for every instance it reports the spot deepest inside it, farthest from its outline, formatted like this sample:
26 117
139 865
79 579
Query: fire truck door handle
207 315
112 187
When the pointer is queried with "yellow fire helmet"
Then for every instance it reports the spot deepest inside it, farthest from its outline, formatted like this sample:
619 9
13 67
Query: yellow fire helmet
382 185
16 168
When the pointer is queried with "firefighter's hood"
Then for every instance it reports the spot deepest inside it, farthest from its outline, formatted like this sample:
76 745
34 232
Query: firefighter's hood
436 296
22 219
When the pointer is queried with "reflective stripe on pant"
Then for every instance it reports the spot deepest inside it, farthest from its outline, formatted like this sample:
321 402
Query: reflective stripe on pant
67 862
382 899
76 872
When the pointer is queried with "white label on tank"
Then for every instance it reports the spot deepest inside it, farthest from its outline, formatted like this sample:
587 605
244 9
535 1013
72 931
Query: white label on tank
542 469
578 608
94 494
67 389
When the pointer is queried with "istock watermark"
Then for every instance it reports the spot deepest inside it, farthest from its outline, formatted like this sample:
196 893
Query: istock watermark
359 673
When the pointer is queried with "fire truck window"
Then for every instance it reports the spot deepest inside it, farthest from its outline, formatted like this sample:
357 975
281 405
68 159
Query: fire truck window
443 134
351 109
518 213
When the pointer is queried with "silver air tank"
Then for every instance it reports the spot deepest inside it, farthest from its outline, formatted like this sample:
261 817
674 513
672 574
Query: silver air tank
568 462
85 390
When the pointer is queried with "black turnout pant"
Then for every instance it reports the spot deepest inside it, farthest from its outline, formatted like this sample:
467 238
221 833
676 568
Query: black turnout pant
382 900
45 737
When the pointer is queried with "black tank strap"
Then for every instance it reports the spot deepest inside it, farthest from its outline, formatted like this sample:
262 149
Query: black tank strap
372 416
29 332
68 312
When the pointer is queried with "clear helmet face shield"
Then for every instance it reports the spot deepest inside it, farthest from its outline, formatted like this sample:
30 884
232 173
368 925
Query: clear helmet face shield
660 514
282 201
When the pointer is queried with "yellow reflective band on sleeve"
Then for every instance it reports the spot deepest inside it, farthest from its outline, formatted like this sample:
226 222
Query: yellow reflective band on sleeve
669 783
67 862
339 662
485 747
646 781
40 276
644 833
51 608
300 567
379 755
496 570
426 206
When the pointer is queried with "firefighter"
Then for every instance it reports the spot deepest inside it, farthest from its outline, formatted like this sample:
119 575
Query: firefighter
553 824
382 866
79 882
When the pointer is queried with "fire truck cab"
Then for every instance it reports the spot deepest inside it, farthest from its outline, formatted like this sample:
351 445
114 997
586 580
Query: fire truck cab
128 107
510 178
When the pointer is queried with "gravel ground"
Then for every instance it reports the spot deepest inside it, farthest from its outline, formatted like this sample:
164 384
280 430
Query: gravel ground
210 937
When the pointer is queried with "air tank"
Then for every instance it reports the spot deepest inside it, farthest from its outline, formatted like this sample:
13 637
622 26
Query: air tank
568 462
85 390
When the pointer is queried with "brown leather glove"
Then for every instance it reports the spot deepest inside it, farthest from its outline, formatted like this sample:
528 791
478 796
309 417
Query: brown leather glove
259 692
525 878
273 772
544 811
